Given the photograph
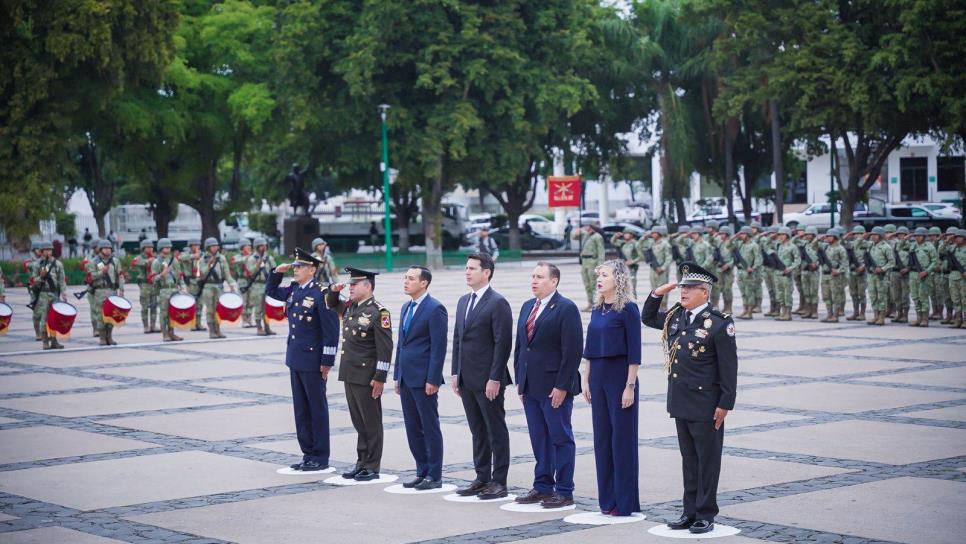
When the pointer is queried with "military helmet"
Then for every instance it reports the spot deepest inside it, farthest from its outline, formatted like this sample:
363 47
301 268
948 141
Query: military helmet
34 245
194 241
858 229
727 229
833 232
952 230
45 244
785 230
684 229
878 230
902 230
889 229
164 242
259 242
755 224
244 242
921 231
101 244
212 241
146 243
746 230
713 224
935 230
961 232
811 230
316 242
772 229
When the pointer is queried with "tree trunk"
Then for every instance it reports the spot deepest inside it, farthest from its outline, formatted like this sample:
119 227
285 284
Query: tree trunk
515 199
731 127
776 154
433 216
99 190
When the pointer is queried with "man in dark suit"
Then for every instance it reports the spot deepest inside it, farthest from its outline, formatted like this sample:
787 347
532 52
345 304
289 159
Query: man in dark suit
481 349
547 355
309 355
701 360
420 352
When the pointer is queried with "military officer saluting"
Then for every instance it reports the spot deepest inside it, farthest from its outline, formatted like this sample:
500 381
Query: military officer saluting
310 354
701 361
366 354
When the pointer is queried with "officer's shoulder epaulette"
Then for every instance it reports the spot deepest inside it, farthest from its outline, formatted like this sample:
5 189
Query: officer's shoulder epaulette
719 313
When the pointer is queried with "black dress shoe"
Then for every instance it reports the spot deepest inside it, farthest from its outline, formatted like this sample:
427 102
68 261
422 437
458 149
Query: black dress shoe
366 475
413 483
492 491
428 483
557 501
296 466
473 489
352 473
683 523
312 466
701 526
532 497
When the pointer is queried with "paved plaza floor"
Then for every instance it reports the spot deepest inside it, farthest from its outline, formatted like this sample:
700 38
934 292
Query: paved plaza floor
842 433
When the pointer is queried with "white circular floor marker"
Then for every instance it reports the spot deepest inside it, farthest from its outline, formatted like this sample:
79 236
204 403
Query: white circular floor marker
597 518
382 479
398 489
289 471
718 532
473 498
534 508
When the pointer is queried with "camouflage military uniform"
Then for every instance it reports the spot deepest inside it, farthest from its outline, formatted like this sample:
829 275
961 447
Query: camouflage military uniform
168 278
725 262
855 248
191 267
660 249
923 259
628 252
237 264
767 243
50 285
791 259
214 272
811 273
881 260
957 278
147 292
327 272
937 289
257 268
834 275
107 279
591 256
749 272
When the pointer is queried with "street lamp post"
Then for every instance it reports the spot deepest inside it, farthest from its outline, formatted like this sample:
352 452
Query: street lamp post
384 166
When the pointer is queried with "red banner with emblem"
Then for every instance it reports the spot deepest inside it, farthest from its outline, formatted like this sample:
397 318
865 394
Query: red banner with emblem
563 191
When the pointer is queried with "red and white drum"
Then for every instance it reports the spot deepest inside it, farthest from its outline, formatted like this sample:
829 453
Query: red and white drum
60 319
274 310
6 313
115 310
181 311
230 307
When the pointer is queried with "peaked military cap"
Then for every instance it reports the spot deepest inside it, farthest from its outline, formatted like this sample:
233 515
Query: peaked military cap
691 273
305 258
358 274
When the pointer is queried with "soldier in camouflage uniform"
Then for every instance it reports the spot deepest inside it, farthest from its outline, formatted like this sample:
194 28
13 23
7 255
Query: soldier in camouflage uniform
880 259
810 273
700 251
892 277
147 294
854 245
327 272
94 312
107 279
28 267
237 265
626 245
791 259
680 243
191 267
923 258
725 261
957 277
214 272
901 245
798 238
167 277
591 256
50 284
768 246
946 245
937 291
658 248
749 270
258 266
835 272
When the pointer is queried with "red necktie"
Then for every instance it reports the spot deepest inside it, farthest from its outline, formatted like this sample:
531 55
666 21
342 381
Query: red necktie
532 320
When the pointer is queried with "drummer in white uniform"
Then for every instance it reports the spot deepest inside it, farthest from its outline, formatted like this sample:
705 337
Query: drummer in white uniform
166 275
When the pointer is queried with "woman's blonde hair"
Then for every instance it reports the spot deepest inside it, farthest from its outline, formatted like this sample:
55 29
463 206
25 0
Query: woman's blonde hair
622 285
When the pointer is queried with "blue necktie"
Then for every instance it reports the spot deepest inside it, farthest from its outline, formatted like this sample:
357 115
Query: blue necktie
472 304
409 318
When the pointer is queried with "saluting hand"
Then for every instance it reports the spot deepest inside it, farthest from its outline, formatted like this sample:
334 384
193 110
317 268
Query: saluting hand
336 287
666 288
283 268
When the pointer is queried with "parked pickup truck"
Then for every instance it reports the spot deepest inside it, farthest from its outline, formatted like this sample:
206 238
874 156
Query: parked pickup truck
908 215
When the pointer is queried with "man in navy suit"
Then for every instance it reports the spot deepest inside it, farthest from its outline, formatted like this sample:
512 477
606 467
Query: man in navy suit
310 354
481 348
547 356
420 352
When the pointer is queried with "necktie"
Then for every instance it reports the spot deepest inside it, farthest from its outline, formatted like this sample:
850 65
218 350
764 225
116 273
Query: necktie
687 319
409 318
532 320
472 305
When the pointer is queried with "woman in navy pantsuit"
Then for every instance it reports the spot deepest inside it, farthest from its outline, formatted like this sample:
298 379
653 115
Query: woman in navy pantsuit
613 348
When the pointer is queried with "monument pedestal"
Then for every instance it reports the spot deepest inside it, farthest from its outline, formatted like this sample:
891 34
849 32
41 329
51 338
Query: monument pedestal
299 232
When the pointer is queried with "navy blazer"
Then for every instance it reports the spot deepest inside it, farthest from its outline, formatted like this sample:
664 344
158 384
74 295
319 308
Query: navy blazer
313 329
420 353
482 343
551 360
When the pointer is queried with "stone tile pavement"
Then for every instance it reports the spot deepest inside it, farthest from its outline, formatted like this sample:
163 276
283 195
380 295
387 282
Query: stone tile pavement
842 433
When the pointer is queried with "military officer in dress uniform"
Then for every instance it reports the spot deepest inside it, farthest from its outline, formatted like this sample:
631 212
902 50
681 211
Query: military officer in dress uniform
366 355
701 360
313 337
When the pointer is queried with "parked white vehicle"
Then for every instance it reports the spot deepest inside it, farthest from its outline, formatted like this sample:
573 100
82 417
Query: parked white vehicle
819 215
639 214
586 218
539 224
943 209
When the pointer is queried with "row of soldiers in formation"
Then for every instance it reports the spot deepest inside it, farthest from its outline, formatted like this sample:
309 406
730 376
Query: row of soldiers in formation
160 273
889 269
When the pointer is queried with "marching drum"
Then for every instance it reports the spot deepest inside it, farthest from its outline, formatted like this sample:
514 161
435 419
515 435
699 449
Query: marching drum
115 310
274 310
230 307
60 319
6 313
181 311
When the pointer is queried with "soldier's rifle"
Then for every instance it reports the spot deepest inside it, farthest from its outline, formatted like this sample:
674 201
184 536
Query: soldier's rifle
261 270
823 259
651 258
804 253
676 253
35 289
853 262
736 255
870 264
914 263
954 263
899 264
211 268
